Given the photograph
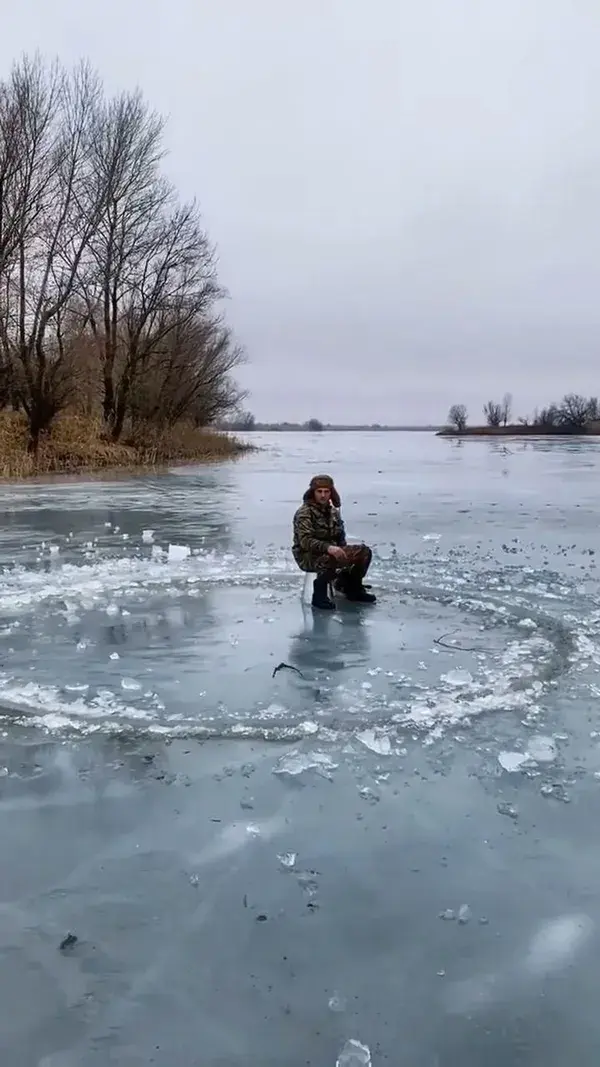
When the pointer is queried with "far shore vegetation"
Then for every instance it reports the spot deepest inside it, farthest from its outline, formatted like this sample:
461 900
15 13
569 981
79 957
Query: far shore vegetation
573 415
245 422
114 349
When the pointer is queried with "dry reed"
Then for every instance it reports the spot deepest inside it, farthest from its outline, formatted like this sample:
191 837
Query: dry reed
77 444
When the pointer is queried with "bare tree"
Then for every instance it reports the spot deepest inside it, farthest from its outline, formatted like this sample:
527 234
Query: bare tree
457 417
127 150
188 376
573 412
548 418
506 409
492 413
56 202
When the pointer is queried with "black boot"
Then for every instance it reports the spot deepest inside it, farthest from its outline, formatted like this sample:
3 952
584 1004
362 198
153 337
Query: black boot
320 597
355 590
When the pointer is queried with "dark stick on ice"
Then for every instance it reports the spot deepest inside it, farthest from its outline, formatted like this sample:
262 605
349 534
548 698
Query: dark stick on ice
68 942
457 648
287 667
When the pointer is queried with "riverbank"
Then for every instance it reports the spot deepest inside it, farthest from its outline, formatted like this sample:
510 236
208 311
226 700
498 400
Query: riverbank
76 446
592 429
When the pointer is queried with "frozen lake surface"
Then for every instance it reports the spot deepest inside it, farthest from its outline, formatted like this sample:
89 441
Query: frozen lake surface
393 844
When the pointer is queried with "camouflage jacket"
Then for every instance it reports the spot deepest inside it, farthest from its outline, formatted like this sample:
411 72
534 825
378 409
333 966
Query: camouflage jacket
315 529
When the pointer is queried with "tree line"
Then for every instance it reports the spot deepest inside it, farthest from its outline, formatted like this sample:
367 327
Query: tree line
109 294
573 414
246 422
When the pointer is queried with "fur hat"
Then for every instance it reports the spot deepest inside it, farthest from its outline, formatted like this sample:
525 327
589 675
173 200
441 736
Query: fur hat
323 481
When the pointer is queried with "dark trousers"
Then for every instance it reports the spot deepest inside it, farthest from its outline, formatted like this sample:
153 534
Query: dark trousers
357 562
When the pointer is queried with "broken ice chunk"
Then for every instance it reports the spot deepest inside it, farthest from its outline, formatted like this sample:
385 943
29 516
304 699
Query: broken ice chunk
337 1002
178 552
457 677
354 1054
542 749
130 683
287 859
376 742
511 761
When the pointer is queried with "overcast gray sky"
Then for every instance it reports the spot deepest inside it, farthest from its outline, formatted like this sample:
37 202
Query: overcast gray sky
405 194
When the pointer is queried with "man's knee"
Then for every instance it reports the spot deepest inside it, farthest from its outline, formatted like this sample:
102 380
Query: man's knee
365 555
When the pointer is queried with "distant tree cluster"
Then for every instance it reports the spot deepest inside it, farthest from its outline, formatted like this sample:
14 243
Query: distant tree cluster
572 415
498 414
108 286
245 421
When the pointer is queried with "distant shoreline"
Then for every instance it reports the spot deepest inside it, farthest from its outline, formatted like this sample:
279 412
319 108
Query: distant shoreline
592 430
289 427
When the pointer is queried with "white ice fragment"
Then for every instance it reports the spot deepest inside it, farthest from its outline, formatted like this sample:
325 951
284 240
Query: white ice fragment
457 677
287 859
511 761
354 1054
337 1002
108 525
114 655
369 794
54 550
464 914
147 536
178 552
130 683
542 749
112 609
296 762
253 830
376 742
308 727
81 646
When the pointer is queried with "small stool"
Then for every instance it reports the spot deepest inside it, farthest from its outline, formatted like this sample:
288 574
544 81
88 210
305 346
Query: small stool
306 594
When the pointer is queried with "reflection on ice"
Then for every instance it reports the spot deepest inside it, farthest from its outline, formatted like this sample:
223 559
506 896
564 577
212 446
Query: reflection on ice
551 948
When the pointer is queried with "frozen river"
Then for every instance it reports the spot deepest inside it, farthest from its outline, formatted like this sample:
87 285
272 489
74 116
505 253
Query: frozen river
394 844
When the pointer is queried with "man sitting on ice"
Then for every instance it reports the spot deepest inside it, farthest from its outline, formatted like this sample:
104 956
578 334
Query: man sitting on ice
320 546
